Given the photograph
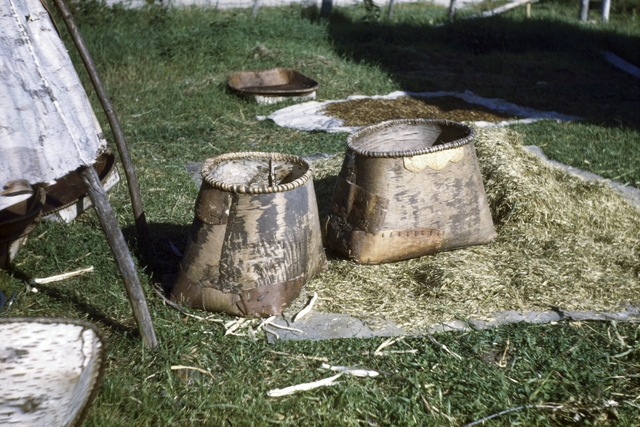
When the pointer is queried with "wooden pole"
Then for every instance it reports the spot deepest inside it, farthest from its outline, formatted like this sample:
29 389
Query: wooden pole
391 2
529 10
452 9
123 257
606 5
132 180
584 10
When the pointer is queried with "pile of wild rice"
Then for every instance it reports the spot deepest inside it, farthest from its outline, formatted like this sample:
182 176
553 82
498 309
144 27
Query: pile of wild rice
361 112
562 242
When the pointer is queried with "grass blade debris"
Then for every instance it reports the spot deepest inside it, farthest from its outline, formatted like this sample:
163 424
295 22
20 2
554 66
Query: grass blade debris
63 276
507 411
192 368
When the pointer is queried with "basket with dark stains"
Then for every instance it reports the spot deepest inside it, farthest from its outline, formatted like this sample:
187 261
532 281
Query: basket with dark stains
255 238
67 198
408 188
17 221
273 85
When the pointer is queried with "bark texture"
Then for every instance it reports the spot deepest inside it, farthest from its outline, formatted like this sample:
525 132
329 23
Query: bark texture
408 188
50 370
255 238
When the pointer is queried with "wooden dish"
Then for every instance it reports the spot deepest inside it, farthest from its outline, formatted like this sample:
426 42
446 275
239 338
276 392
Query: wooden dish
272 85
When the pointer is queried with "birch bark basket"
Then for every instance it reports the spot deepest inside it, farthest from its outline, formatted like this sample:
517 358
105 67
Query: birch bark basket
408 188
255 238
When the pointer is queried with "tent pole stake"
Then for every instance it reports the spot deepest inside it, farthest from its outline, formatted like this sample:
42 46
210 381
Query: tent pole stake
121 253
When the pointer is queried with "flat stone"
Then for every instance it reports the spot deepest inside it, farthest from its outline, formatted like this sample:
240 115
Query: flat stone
324 326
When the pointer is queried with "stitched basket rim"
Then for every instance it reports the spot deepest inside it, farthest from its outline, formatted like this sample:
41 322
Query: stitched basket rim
210 163
410 153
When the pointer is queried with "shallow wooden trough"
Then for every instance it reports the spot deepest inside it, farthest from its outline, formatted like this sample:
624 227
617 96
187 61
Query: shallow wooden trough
272 85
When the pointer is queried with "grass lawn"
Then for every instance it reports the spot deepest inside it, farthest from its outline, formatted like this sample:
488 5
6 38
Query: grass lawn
165 71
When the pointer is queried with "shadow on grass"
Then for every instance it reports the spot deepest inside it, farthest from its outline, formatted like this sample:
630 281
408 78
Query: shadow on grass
544 64
93 313
169 241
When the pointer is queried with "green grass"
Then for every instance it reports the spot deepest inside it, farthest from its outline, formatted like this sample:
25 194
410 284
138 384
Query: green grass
165 71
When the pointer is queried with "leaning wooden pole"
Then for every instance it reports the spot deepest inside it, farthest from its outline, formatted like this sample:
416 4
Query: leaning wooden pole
121 253
132 180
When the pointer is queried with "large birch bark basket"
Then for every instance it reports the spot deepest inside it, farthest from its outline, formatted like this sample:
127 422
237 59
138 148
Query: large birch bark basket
255 238
408 188
50 370
16 222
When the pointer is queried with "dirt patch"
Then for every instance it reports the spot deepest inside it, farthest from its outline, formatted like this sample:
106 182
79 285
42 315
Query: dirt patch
362 112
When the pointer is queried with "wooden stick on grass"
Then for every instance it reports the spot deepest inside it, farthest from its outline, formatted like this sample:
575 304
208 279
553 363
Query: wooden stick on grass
63 276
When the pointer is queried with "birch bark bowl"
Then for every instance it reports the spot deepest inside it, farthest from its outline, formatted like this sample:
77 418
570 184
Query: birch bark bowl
255 238
50 370
272 85
408 188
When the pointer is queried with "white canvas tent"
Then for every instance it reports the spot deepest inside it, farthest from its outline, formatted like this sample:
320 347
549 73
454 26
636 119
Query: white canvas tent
48 127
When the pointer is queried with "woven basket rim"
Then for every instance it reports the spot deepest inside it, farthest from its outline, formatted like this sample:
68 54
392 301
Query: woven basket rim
265 189
410 153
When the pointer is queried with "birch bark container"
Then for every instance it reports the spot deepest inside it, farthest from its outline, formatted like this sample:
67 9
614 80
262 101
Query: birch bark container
255 238
408 188
50 370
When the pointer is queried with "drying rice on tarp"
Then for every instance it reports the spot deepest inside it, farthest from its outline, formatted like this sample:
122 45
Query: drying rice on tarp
562 243
362 112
